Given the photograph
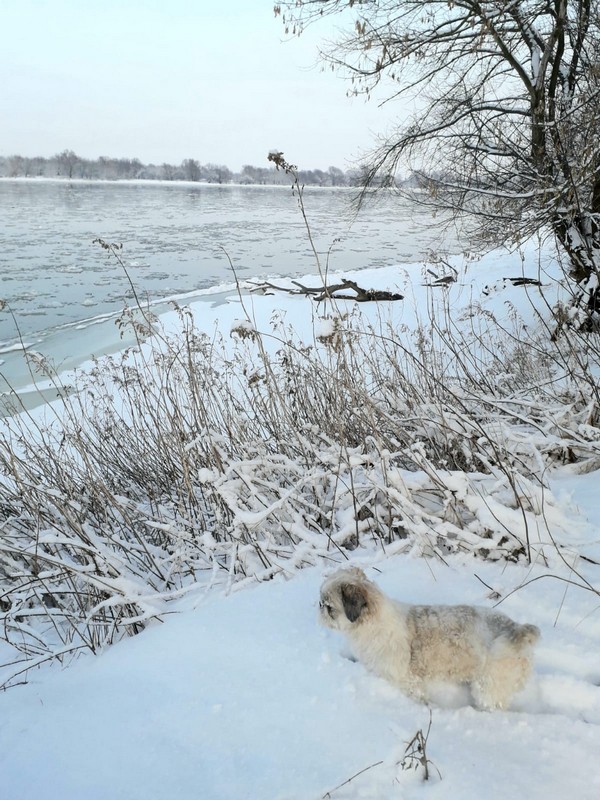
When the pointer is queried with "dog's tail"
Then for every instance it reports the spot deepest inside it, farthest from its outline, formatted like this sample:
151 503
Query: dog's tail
525 635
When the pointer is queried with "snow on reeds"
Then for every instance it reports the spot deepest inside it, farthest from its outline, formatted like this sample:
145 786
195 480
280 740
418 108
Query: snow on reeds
227 458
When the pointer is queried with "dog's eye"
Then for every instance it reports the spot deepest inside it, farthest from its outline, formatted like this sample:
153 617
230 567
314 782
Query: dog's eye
326 607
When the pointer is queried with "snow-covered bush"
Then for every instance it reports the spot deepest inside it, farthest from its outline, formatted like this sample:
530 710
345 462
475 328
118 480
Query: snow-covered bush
198 459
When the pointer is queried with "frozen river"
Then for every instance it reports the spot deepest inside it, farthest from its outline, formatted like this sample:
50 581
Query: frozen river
62 293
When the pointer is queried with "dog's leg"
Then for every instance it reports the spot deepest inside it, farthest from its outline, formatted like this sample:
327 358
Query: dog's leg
502 678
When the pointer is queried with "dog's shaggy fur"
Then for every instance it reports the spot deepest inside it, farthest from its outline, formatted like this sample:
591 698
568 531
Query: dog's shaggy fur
416 647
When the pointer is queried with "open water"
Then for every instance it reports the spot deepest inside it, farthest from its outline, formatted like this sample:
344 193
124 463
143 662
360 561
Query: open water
62 293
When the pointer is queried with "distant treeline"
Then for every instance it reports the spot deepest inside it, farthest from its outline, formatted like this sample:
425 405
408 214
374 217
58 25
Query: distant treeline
69 165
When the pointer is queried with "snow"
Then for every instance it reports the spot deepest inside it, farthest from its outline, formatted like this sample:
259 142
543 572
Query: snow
244 696
238 693
484 282
12 347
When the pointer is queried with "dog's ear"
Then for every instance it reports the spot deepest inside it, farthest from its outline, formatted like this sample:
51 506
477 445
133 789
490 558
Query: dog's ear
354 600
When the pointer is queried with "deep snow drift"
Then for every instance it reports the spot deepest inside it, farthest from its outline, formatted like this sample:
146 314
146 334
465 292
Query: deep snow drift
246 697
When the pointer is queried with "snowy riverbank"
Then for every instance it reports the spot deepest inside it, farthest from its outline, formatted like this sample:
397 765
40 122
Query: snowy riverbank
233 691
245 697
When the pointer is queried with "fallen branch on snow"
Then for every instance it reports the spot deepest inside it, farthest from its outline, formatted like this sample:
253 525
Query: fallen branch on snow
320 293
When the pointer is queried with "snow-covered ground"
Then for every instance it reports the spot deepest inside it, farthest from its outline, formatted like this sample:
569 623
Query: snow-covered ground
244 696
240 694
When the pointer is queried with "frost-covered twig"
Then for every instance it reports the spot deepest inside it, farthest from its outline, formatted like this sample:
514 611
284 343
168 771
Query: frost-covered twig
328 794
415 755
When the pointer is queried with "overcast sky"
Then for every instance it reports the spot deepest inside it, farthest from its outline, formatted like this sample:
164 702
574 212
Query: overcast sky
164 80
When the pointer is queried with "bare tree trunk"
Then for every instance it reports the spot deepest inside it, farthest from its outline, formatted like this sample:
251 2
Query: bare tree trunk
580 238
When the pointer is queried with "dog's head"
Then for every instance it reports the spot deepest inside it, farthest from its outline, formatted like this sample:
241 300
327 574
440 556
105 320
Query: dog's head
346 599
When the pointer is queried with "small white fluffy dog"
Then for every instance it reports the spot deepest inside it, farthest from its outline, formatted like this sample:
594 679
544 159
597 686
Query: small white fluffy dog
416 647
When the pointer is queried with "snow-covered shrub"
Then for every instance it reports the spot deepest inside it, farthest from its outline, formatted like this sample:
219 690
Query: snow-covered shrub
195 459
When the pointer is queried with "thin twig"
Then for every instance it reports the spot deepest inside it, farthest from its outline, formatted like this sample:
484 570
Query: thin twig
366 769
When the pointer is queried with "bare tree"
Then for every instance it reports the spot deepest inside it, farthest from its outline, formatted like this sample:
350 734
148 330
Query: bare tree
507 99
168 172
191 169
216 173
67 161
337 177
15 166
